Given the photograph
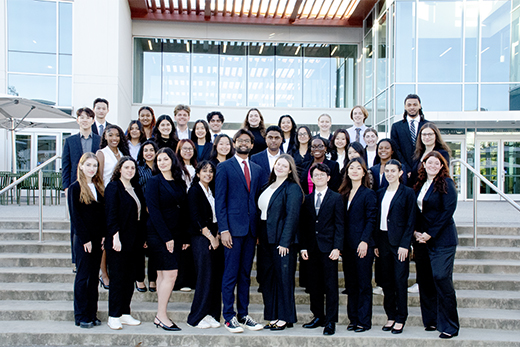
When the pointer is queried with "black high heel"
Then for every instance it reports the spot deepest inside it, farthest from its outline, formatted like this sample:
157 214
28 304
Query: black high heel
172 327
102 284
140 290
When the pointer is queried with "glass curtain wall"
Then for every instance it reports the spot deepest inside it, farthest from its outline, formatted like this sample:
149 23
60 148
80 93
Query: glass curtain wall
230 73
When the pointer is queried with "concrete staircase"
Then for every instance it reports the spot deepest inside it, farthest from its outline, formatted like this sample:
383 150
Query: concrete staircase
36 294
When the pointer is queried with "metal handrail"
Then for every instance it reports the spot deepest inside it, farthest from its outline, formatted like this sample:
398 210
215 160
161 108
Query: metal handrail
478 176
38 169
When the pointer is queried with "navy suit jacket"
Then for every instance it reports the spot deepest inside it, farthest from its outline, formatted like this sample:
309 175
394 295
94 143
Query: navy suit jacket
401 216
206 151
201 214
235 206
262 160
95 128
335 177
72 152
376 170
436 218
400 133
360 218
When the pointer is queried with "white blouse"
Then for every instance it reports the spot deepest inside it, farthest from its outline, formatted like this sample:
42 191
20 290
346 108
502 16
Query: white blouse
211 200
263 201
422 193
385 207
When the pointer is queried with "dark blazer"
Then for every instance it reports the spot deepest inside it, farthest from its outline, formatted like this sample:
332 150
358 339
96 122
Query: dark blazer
283 214
95 129
335 177
72 152
171 143
206 151
401 216
291 144
121 214
201 215
88 221
416 162
234 204
376 170
262 160
167 208
360 218
400 133
436 218
323 232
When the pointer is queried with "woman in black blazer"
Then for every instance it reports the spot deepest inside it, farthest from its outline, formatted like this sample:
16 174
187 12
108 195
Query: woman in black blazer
385 152
437 201
358 250
87 216
166 200
396 221
164 133
301 151
288 126
280 204
125 212
318 149
201 137
208 256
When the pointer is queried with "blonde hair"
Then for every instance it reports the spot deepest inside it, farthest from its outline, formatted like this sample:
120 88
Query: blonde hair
85 195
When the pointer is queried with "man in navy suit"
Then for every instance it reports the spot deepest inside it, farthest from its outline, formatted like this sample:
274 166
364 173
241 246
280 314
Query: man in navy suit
215 121
100 108
75 145
405 132
181 114
237 187
266 158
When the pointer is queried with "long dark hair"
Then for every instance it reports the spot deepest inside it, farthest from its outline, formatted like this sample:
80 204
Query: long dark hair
194 137
293 127
296 146
193 160
395 156
142 135
261 125
122 145
117 171
175 168
202 165
332 145
140 155
293 175
420 148
439 182
148 108
358 147
346 185
214 152
157 134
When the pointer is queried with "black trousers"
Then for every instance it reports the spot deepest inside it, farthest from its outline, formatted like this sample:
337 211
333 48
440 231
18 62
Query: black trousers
358 281
324 285
394 280
86 281
442 259
140 265
122 277
72 249
209 267
278 284
427 291
186 275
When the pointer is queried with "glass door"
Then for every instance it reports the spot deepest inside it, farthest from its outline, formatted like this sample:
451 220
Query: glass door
511 168
46 150
487 153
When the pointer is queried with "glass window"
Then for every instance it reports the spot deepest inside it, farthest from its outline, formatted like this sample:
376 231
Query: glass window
495 53
440 41
512 167
65 91
288 92
515 46
514 97
233 75
147 71
471 41
441 97
23 152
499 97
401 91
343 74
46 150
317 75
369 67
65 64
31 62
65 28
260 91
176 72
204 87
381 55
381 108
33 87
470 97
405 42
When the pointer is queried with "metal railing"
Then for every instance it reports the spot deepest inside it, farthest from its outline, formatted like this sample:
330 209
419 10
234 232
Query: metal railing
478 176
38 169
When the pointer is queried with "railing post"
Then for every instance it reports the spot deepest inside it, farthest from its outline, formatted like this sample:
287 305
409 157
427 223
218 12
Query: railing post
40 204
475 195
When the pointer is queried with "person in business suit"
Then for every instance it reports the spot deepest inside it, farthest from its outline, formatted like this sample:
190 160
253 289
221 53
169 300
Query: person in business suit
301 151
125 214
318 150
396 221
266 158
404 132
75 146
437 201
100 108
254 122
237 186
359 115
324 123
386 150
338 147
288 126
279 204
371 137
135 137
322 230
358 249
207 253
215 121
166 200
87 215
181 114
201 137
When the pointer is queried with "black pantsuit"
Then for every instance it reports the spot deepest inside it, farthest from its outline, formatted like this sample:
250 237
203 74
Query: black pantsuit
120 265
324 283
140 265
427 292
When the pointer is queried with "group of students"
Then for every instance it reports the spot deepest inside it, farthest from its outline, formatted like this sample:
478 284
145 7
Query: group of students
280 191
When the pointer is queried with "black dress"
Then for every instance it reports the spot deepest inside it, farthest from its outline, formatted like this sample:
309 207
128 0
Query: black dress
259 144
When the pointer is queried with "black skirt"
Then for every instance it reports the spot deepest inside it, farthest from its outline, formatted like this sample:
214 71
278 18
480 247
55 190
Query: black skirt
164 260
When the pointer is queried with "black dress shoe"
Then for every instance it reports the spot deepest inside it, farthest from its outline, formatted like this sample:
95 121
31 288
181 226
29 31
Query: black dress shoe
276 327
85 325
269 325
430 328
447 336
152 289
330 329
289 325
172 327
140 290
316 322
360 329
388 327
96 322
397 331
351 327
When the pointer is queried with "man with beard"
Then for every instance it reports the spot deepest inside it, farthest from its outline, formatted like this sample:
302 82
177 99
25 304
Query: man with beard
237 186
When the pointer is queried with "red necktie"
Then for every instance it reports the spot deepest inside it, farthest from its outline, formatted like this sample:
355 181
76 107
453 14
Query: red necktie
248 176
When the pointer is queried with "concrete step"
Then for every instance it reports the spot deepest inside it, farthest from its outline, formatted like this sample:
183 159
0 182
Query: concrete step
145 311
490 240
35 247
32 223
506 300
505 253
489 230
56 333
33 235
36 260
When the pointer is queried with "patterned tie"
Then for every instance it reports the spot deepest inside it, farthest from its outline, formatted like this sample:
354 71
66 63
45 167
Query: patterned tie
101 128
248 176
318 204
358 130
412 132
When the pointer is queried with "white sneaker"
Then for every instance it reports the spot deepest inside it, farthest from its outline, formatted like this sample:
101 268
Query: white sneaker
114 323
202 325
378 290
211 321
233 326
248 322
127 319
414 288
185 289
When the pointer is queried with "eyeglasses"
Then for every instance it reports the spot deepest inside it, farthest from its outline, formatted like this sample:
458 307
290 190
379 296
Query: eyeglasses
303 135
245 141
319 175
318 147
427 134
